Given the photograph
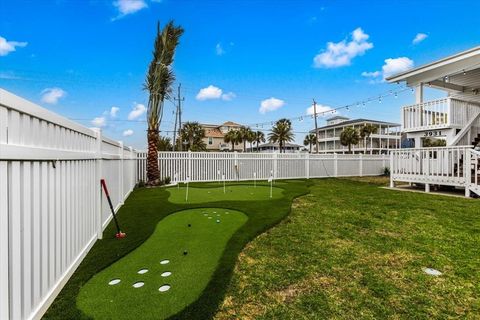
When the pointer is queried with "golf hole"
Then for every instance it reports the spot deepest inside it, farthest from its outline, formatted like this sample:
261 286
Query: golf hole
114 282
138 284
164 261
142 271
164 288
166 274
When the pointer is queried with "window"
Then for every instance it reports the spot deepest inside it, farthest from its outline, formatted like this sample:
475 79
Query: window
210 140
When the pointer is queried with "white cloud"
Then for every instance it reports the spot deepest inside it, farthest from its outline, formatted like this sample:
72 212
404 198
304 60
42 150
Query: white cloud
114 111
341 53
52 95
270 104
137 111
126 7
392 66
373 74
397 65
228 96
128 133
9 46
419 38
210 92
99 122
219 49
320 110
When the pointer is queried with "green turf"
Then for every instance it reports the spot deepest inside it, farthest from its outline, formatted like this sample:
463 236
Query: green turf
139 217
204 241
232 193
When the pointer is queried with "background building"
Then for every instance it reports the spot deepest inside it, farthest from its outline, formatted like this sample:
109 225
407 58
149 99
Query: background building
274 147
214 134
387 136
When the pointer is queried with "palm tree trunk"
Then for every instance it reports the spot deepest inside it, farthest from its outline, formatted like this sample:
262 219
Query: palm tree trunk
349 148
233 147
244 145
310 148
153 174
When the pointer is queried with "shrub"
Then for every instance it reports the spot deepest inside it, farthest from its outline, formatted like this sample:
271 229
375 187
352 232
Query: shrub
168 180
386 171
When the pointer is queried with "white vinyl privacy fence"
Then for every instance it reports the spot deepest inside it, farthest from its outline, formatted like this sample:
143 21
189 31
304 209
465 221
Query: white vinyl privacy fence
51 207
212 166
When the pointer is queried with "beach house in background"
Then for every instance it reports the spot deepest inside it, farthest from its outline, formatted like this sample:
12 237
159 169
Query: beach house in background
454 118
214 134
387 136
275 147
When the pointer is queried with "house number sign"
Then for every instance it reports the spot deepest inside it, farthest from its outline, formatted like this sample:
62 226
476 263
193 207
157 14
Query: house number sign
435 133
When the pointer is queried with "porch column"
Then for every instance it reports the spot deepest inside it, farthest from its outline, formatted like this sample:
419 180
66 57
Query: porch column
419 93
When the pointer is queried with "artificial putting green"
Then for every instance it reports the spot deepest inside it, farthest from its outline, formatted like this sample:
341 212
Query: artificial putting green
232 193
203 241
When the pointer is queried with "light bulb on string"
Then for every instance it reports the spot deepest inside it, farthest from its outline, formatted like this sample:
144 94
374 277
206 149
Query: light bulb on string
464 72
396 95
380 99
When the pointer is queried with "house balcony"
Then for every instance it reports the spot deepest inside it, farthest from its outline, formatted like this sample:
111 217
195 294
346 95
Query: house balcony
438 114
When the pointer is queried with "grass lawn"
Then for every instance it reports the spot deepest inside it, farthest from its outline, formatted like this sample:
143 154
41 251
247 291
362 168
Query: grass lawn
351 250
139 218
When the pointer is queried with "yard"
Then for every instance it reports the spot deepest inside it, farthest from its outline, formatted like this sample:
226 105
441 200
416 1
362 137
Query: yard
339 248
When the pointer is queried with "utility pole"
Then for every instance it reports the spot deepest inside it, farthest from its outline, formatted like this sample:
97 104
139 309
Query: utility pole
179 115
316 127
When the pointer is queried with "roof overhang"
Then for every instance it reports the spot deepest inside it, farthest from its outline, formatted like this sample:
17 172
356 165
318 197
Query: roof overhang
458 63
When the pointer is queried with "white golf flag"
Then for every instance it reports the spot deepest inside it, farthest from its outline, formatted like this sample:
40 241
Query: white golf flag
254 174
270 179
223 177
187 180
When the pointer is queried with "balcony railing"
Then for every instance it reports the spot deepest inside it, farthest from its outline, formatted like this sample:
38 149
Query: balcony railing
437 114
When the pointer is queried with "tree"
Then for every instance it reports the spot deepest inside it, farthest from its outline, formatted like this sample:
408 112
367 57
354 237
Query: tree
281 133
164 144
309 140
258 137
234 137
192 135
349 137
246 135
158 82
365 133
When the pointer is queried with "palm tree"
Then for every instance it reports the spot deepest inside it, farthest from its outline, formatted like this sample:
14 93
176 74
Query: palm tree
245 134
309 140
234 137
281 133
258 137
164 144
158 82
365 133
192 135
349 137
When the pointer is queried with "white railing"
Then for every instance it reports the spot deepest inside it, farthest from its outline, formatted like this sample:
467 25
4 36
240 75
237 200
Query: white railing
437 114
473 172
51 207
211 166
442 166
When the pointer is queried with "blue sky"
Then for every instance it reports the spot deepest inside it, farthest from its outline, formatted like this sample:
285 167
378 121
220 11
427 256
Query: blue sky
81 58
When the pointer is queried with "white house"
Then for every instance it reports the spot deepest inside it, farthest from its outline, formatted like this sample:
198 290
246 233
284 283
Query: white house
454 118
387 136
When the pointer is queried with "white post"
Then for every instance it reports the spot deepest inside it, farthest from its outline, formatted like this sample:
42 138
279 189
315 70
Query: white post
335 165
361 164
186 193
427 173
97 186
419 93
468 173
189 163
307 165
121 192
223 178
392 182
254 179
237 173
275 165
133 168
4 242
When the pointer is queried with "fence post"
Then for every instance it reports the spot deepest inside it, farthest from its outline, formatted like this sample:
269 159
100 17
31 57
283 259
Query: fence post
392 183
190 164
335 165
275 165
97 187
361 164
468 170
133 168
121 177
307 165
427 169
4 243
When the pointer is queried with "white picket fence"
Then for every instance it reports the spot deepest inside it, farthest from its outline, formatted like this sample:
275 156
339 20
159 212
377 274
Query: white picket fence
51 207
212 166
